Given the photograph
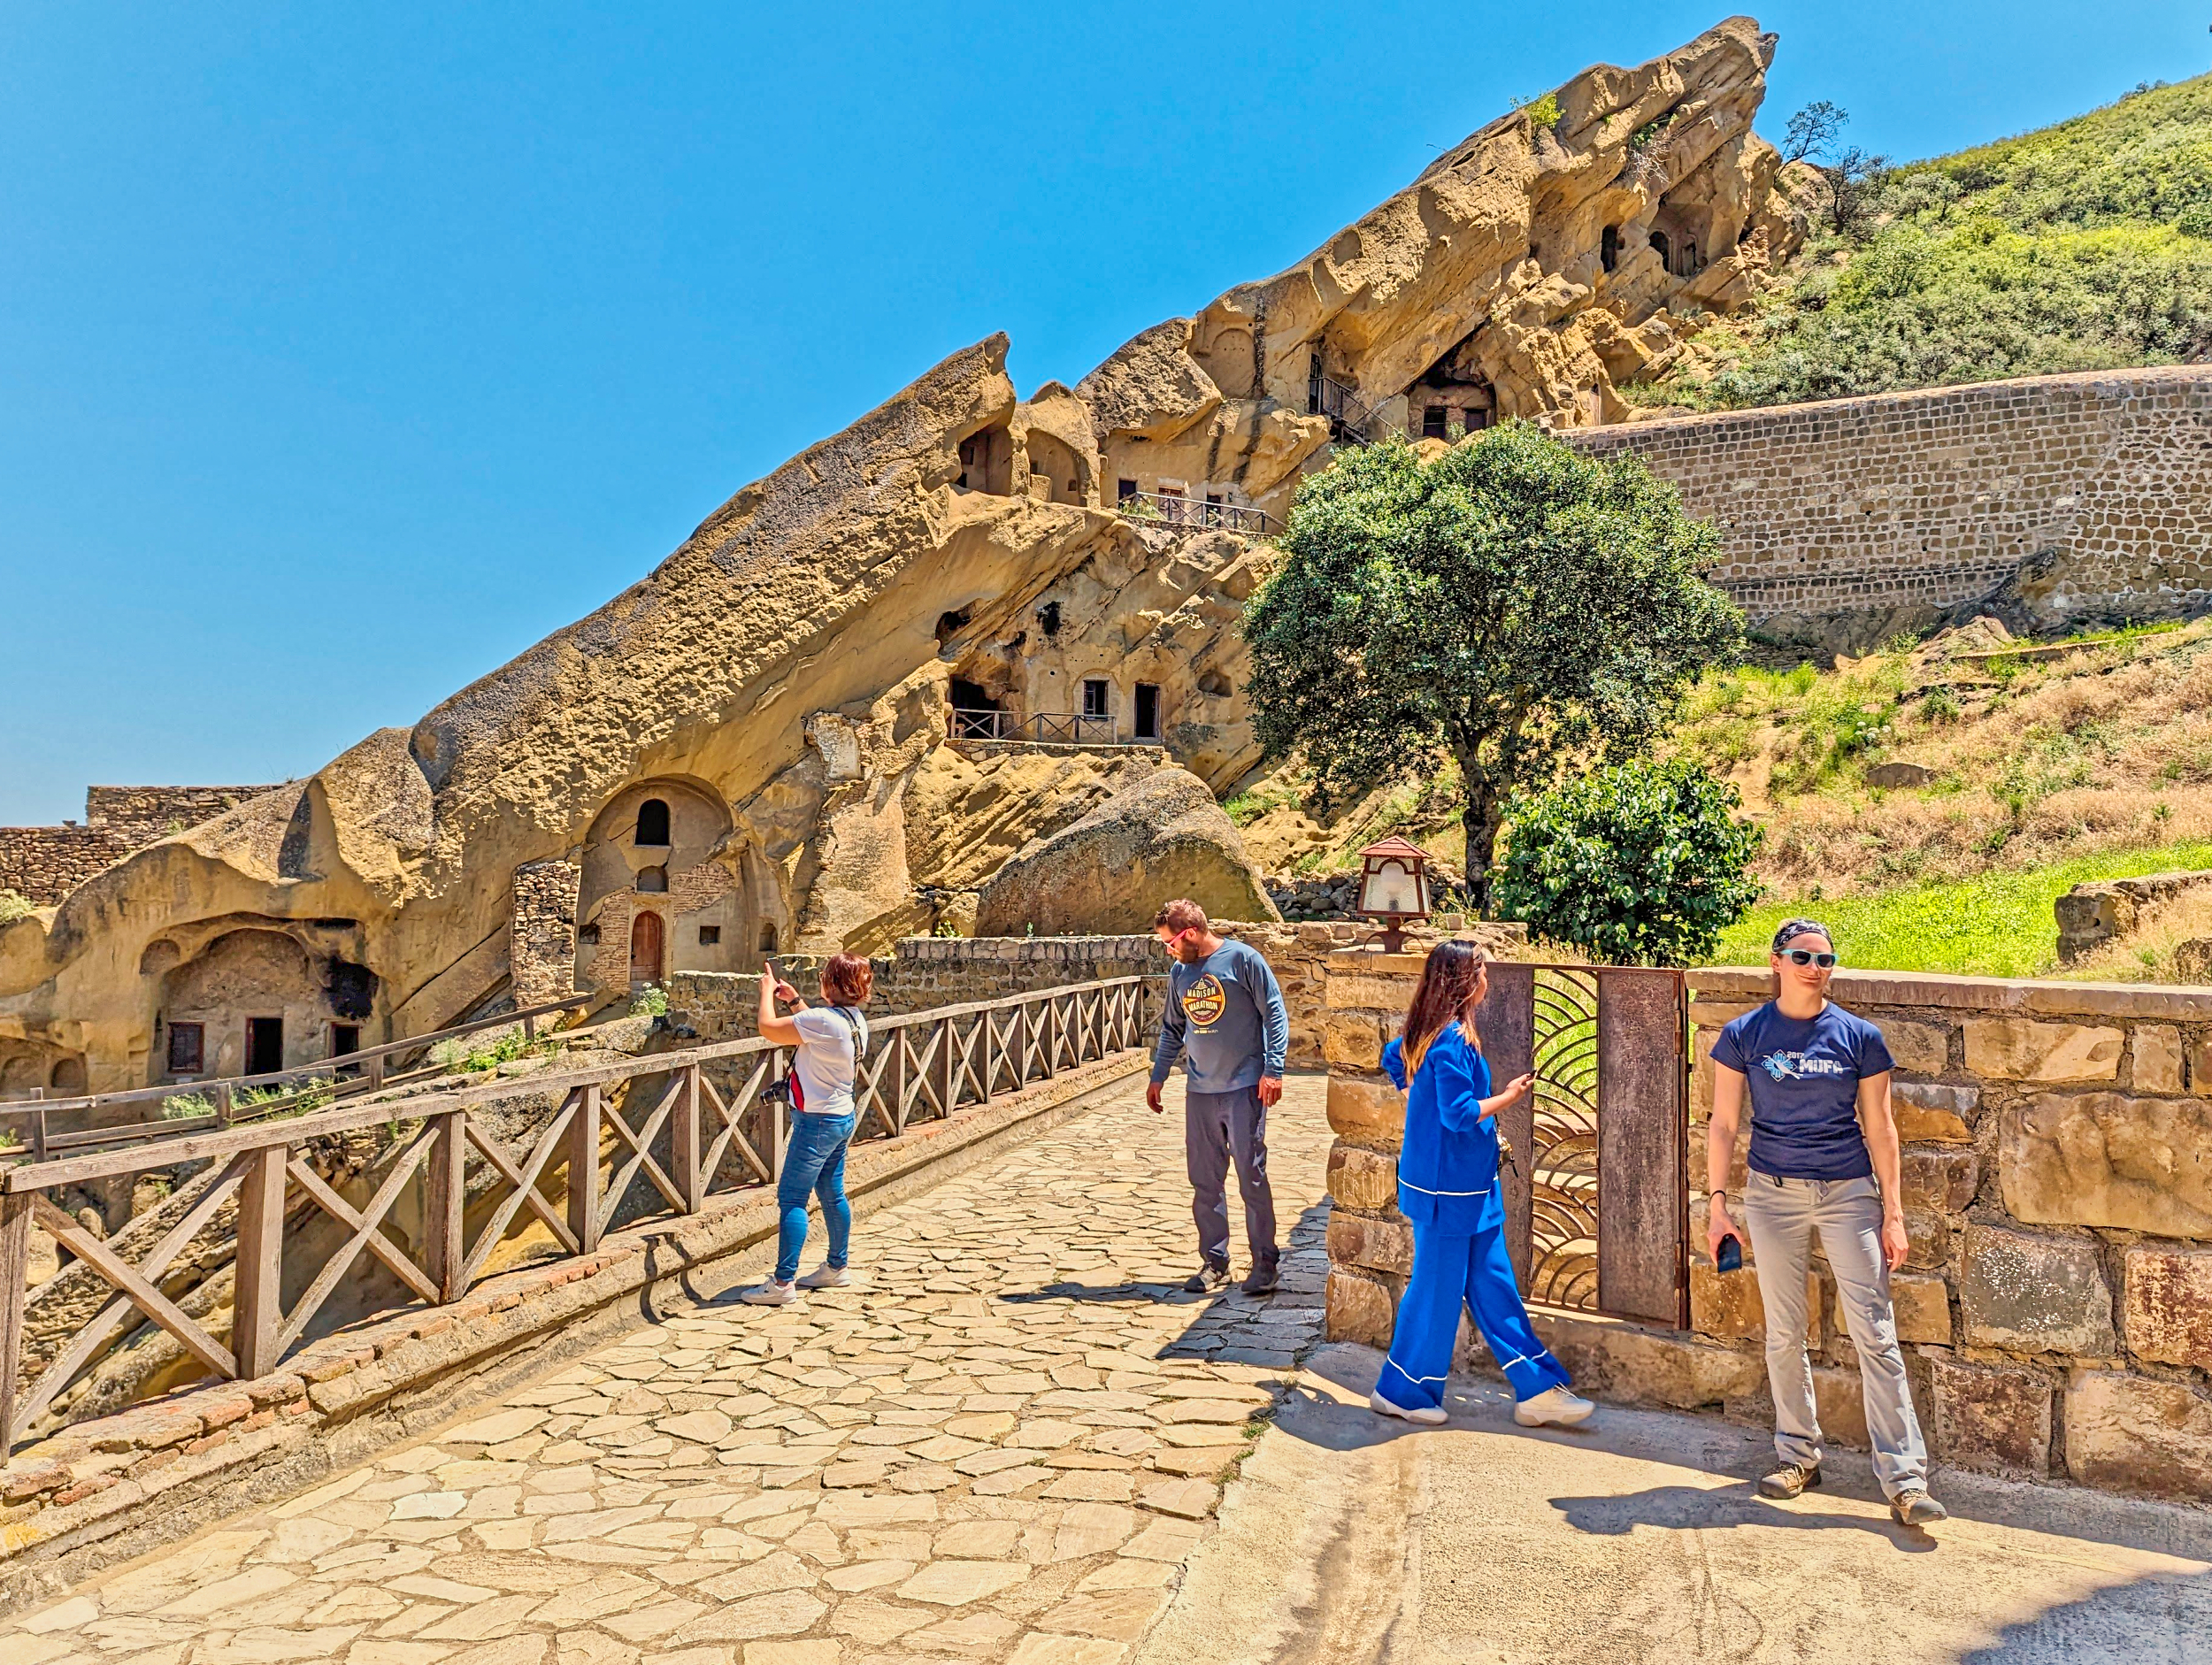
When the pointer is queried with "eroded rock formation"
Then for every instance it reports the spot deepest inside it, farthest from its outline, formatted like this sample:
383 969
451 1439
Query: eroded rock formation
869 679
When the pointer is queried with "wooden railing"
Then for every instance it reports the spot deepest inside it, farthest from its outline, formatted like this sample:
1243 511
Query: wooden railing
707 1132
344 1076
1171 512
1046 728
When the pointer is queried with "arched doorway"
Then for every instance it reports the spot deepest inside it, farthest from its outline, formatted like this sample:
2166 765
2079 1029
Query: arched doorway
645 948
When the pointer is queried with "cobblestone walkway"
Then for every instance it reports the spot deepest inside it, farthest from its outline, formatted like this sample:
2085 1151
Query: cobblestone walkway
1004 1446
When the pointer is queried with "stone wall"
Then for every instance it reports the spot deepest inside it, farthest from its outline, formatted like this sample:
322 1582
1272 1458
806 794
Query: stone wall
2056 1305
542 939
2070 499
147 813
2092 914
45 864
926 971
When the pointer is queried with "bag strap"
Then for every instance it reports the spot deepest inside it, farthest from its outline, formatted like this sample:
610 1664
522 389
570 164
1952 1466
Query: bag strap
858 1025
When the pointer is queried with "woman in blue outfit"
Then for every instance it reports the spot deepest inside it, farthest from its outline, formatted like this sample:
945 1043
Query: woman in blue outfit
1447 1188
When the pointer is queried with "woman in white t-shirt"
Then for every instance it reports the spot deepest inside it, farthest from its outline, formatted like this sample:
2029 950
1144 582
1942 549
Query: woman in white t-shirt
831 1039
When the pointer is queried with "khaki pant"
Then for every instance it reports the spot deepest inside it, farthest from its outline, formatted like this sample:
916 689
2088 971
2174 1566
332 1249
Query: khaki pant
1782 1215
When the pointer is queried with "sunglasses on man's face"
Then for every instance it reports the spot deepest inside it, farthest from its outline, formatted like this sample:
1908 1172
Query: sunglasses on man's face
1806 956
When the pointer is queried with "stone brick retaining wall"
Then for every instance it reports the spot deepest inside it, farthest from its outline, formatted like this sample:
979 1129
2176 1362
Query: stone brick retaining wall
924 972
2095 490
45 864
2056 1307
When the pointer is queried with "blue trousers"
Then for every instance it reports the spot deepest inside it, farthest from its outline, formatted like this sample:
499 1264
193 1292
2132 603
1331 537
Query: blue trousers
813 1165
1451 1272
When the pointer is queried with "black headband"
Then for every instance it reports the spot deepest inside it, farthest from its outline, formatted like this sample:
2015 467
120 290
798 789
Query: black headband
1795 928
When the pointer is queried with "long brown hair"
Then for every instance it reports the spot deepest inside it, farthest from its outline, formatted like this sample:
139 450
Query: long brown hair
1448 983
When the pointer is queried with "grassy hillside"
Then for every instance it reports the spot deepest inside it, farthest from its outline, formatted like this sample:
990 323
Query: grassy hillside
2085 246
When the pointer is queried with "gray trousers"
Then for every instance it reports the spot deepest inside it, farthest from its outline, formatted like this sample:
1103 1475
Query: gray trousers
1218 1126
1782 1215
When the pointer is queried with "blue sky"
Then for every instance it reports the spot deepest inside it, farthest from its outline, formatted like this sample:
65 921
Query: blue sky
345 351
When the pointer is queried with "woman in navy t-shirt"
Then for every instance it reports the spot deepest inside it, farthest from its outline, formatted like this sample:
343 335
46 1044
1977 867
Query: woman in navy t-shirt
1823 1159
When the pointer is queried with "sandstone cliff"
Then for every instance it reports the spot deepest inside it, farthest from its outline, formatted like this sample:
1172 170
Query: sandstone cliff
827 711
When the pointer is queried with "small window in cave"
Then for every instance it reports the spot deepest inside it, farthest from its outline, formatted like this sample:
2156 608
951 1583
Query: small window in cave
1434 421
652 822
588 937
708 935
1124 490
768 938
1665 249
1609 246
344 1038
653 881
1096 693
950 624
1478 416
188 1049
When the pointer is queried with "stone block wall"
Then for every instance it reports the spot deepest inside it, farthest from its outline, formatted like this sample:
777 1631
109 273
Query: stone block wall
45 864
922 972
542 935
2085 497
2056 1305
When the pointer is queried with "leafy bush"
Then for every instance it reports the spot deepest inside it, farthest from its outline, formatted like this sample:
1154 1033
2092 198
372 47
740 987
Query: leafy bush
13 907
1640 864
1543 112
651 1001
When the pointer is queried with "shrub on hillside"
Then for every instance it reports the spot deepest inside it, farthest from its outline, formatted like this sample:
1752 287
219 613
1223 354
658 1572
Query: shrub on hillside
1641 865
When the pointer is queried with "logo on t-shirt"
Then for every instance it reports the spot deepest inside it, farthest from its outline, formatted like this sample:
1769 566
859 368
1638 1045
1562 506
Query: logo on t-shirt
1795 1066
1205 1002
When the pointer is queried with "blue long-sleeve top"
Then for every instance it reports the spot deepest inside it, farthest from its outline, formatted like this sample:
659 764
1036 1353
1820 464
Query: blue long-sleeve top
1225 1015
1447 1169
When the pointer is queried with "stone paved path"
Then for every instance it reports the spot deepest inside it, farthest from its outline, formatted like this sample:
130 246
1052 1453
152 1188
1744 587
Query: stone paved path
1004 1446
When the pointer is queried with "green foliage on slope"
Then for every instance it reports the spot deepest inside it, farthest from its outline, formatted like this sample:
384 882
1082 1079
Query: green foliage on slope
2085 246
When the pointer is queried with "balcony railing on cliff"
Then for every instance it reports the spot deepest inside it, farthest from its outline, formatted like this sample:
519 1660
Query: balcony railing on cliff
693 1127
1054 728
1169 512
1352 421
232 1100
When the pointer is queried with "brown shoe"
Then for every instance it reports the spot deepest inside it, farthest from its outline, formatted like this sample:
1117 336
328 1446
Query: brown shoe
1917 1508
1792 1479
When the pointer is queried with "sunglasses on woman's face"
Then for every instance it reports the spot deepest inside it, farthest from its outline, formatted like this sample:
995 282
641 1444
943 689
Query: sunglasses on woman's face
1806 956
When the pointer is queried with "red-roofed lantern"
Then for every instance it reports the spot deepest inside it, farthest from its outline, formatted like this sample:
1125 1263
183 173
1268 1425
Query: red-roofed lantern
1393 888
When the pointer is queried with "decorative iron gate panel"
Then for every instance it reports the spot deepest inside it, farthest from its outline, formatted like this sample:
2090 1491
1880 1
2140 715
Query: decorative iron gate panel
1596 1214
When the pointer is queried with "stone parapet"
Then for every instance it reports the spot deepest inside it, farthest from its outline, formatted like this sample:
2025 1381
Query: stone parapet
2057 1156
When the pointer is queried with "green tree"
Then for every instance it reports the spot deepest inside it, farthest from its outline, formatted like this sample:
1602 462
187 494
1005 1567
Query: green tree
1641 865
1516 604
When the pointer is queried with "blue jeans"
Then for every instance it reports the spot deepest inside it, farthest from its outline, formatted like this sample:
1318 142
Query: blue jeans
813 1164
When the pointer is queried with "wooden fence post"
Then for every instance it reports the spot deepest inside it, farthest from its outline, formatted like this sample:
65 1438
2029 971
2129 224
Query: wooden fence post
583 1170
947 1065
15 1256
683 1141
445 1190
257 1309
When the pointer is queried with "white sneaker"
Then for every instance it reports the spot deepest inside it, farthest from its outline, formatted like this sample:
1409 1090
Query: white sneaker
771 1293
1553 1405
1427 1416
827 1277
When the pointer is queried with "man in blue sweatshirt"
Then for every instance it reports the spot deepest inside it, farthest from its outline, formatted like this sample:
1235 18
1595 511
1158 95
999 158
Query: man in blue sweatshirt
1226 1017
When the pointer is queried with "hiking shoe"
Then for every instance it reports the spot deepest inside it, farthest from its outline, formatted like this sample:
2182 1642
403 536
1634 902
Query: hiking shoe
827 1276
1260 1280
1206 1279
771 1293
1427 1416
1917 1508
1792 1479
1553 1405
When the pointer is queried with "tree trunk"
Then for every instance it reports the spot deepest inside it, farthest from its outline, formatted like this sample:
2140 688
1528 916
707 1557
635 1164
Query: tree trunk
1479 818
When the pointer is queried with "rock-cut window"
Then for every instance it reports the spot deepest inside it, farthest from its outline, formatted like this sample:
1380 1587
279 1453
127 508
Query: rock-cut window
652 822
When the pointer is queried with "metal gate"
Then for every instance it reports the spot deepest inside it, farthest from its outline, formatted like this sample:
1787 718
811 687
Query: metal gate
1597 1212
